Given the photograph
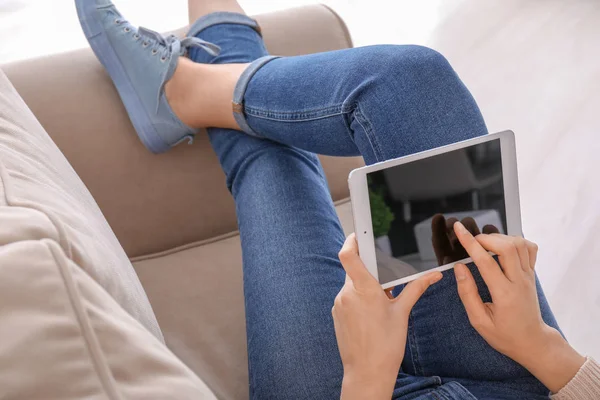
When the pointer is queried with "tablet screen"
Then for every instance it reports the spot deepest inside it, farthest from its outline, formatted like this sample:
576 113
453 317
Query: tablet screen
411 205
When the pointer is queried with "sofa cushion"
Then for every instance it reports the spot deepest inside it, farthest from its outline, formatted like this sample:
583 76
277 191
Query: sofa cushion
41 196
63 337
197 295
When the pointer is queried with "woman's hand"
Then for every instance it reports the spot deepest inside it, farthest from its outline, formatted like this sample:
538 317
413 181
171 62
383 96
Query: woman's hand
512 324
371 328
446 246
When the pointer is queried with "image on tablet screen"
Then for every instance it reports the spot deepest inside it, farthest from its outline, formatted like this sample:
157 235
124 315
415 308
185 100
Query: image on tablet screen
406 200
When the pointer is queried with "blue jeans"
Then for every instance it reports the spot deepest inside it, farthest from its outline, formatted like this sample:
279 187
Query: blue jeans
380 102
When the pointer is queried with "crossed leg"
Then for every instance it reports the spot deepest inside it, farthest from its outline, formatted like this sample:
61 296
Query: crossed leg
382 102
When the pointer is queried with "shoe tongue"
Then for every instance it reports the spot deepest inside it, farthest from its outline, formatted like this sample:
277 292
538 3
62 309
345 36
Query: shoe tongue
175 48
172 49
173 56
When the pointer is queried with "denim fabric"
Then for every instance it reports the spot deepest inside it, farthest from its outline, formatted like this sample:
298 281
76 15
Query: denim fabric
220 18
240 91
381 102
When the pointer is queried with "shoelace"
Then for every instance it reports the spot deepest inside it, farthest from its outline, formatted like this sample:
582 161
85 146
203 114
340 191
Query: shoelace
170 44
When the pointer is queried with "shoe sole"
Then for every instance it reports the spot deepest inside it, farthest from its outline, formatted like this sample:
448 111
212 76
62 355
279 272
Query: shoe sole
98 40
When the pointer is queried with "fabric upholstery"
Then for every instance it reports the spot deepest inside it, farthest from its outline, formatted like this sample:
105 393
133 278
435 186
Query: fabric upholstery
155 203
64 337
171 212
42 197
198 299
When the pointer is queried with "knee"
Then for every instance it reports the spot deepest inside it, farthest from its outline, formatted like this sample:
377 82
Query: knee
402 68
422 57
415 65
410 90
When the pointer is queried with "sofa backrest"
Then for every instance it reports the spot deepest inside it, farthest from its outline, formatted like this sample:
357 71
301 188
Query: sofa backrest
156 202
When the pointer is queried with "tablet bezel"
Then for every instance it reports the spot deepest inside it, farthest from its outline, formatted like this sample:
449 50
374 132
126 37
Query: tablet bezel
361 210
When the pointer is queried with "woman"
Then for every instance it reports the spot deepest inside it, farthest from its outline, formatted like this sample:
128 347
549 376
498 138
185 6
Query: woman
382 102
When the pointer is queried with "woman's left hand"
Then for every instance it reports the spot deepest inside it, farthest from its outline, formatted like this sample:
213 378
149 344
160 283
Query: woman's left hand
370 328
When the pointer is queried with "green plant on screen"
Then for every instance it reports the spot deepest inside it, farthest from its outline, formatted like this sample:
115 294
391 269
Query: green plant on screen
381 215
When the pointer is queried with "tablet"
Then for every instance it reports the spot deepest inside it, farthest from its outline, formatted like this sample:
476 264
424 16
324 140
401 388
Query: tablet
396 202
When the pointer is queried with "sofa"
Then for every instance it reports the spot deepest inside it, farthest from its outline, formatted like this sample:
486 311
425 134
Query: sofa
121 270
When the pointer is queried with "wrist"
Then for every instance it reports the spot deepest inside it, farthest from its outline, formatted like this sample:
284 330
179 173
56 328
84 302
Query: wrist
552 360
538 346
367 386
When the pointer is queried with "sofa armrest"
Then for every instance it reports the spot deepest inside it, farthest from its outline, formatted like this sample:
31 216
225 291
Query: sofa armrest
155 203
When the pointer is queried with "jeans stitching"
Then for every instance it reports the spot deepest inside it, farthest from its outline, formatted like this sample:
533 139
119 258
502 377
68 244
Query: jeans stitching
368 128
293 116
412 341
294 120
451 390
272 116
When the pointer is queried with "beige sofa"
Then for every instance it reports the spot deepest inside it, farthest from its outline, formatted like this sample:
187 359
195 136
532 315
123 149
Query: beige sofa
171 213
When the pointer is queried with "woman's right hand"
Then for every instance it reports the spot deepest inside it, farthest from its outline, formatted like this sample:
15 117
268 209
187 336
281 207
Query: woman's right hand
512 324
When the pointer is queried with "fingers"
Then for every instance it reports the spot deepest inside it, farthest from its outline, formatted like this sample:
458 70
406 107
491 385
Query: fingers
490 229
523 251
471 225
527 250
511 253
446 245
488 267
415 289
469 295
532 248
439 238
457 252
450 223
353 265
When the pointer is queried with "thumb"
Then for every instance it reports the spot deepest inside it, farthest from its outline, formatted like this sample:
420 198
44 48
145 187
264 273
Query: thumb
469 294
353 265
415 289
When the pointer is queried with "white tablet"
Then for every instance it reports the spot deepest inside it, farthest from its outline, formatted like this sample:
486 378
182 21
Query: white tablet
395 202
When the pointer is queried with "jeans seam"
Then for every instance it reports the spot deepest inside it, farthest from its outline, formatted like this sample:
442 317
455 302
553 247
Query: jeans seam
451 390
412 341
369 132
273 116
294 116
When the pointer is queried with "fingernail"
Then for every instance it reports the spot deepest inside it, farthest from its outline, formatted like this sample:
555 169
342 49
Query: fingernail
435 279
459 272
461 228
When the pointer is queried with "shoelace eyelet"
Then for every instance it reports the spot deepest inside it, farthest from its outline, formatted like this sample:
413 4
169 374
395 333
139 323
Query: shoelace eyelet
154 52
163 59
145 44
136 36
117 21
127 29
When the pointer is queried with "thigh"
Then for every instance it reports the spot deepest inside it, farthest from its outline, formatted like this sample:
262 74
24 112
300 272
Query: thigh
380 101
441 342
